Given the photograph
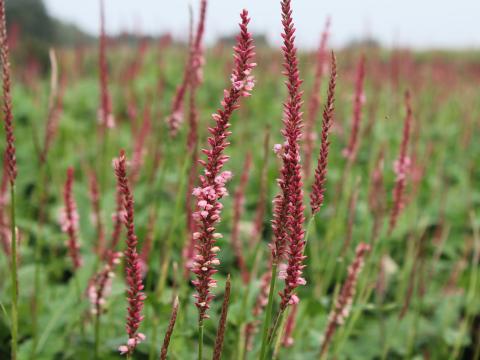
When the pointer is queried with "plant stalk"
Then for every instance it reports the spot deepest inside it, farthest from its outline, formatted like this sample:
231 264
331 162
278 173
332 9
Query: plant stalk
14 274
268 312
200 340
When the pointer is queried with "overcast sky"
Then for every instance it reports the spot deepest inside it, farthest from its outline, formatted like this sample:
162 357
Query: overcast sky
417 23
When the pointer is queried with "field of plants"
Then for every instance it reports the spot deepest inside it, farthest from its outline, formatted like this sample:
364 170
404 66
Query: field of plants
328 209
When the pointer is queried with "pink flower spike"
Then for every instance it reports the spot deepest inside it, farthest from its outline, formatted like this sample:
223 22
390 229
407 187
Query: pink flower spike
133 267
69 220
342 306
401 166
212 183
289 209
350 152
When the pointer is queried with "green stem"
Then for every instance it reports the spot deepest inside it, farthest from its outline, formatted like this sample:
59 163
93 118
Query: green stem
104 162
37 253
97 334
276 325
253 275
200 340
14 317
241 334
151 354
278 342
79 300
268 312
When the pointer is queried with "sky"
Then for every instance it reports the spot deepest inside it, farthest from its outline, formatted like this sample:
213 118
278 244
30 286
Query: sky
413 23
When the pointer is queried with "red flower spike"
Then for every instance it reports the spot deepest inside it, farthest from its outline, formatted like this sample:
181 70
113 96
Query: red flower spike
314 100
318 189
288 217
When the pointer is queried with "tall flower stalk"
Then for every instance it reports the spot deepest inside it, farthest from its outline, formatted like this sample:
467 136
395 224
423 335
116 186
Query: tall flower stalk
343 304
192 75
212 182
401 166
314 99
69 220
55 107
118 219
98 289
170 328
97 213
222 324
105 116
318 189
195 80
350 152
133 268
288 217
11 161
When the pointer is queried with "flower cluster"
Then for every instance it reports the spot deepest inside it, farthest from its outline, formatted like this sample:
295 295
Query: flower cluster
195 79
288 216
318 190
69 220
10 152
169 331
5 234
55 107
105 116
314 100
197 58
139 149
401 166
344 302
192 75
118 218
212 182
350 152
96 213
133 270
101 284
